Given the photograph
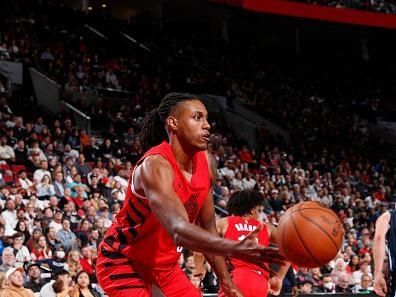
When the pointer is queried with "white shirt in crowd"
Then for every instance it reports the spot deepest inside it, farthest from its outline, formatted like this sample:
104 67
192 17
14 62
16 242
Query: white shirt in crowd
55 225
10 219
23 255
6 152
225 171
38 175
248 184
25 183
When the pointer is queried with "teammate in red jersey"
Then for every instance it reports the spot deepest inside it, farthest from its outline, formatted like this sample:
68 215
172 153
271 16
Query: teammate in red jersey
244 210
169 191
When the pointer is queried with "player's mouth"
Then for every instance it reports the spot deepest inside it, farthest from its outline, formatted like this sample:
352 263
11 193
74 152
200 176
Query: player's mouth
206 137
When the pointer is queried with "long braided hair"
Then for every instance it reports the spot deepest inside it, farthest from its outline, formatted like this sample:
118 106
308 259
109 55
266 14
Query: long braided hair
153 127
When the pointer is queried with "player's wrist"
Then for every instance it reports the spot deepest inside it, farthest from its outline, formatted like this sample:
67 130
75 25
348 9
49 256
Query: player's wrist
227 283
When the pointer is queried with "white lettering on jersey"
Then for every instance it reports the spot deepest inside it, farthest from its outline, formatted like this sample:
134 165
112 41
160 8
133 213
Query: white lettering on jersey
179 249
245 227
242 237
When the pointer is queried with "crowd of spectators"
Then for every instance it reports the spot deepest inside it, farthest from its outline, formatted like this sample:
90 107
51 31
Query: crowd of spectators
61 187
381 6
60 193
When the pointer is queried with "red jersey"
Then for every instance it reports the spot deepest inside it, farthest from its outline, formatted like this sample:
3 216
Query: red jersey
238 228
137 233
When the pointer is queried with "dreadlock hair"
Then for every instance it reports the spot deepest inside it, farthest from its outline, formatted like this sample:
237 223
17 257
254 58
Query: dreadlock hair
153 127
242 202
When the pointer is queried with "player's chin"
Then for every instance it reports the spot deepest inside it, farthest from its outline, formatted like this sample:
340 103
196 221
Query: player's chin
202 145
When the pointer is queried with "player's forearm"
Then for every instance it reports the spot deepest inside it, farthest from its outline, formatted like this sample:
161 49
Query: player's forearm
219 266
282 271
194 238
378 254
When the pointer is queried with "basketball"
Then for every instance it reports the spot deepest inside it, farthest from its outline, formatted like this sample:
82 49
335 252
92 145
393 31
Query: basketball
309 235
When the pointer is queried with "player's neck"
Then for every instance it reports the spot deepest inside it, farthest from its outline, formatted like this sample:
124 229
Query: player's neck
184 158
247 217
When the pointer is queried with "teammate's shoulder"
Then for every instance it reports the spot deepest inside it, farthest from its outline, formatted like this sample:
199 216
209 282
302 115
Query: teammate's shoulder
222 220
222 225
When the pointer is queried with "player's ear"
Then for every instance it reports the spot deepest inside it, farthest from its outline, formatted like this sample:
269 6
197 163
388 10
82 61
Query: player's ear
172 123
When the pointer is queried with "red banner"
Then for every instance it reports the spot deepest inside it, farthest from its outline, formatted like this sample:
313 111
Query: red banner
317 12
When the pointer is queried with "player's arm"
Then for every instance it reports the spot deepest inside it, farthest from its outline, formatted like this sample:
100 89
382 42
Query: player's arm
207 220
381 228
275 283
156 179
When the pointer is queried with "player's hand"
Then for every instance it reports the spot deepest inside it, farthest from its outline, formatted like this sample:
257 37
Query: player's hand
380 287
249 250
230 290
274 285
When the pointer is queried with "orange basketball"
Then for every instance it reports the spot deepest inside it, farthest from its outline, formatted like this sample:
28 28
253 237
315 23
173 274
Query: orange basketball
309 235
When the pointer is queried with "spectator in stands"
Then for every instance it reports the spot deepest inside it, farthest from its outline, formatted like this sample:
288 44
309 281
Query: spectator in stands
21 153
39 173
339 269
82 168
32 242
6 152
51 238
15 288
35 150
22 253
25 183
306 287
45 189
94 238
65 236
344 284
364 268
70 152
8 259
88 261
9 215
41 250
328 284
91 151
59 185
61 282
83 286
23 229
56 223
248 183
73 263
2 281
365 285
35 282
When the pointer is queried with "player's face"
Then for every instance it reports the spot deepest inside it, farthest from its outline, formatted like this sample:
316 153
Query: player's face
257 212
192 125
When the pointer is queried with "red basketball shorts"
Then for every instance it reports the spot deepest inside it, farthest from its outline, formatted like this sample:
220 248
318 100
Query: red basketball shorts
250 282
120 277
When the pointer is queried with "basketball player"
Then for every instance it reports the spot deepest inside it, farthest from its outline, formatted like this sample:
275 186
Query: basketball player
169 191
385 234
244 209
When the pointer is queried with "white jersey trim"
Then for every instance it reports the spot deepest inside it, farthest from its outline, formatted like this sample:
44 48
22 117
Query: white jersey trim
133 186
